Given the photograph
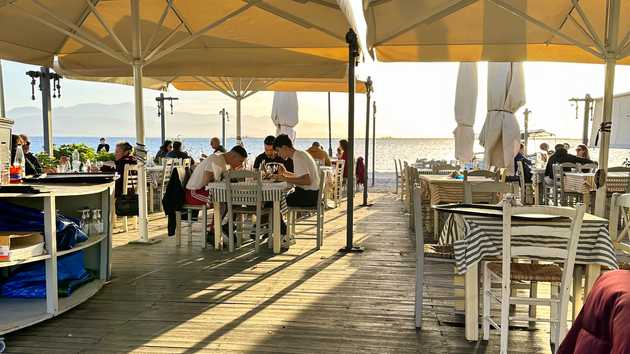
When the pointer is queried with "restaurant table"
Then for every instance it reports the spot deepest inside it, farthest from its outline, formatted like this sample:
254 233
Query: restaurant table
441 189
482 238
584 183
275 192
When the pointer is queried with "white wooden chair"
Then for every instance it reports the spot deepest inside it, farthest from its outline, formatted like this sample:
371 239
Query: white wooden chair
130 181
338 178
619 225
202 216
507 271
246 200
558 195
493 190
167 170
403 180
526 189
587 167
318 209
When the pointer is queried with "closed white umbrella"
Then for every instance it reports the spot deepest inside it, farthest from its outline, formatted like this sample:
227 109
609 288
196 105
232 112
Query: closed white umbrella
284 113
465 108
501 133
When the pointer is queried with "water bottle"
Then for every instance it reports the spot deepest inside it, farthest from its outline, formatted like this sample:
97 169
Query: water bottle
5 163
17 170
96 226
76 161
84 224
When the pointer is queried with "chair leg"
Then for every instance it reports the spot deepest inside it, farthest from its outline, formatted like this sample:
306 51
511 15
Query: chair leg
151 199
204 227
553 333
126 223
533 293
230 232
487 297
239 236
178 228
319 230
190 226
505 315
257 238
436 224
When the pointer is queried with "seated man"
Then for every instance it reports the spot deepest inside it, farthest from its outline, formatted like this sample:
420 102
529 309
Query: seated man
33 167
178 153
319 154
211 170
215 144
270 155
305 176
527 164
561 156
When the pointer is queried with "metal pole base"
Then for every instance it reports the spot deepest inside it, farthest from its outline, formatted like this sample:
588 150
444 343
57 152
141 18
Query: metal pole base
353 249
366 205
140 241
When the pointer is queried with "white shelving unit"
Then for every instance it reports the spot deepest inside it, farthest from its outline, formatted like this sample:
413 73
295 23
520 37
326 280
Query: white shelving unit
20 313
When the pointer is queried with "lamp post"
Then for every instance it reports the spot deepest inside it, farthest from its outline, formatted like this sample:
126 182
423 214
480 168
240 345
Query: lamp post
224 115
368 89
588 104
45 76
161 112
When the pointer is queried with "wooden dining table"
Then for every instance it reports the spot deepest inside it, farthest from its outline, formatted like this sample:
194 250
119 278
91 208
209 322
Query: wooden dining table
482 238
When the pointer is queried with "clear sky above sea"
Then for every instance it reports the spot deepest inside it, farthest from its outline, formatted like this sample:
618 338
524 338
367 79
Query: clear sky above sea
414 100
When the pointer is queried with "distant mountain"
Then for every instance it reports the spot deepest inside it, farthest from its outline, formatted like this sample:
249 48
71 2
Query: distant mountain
95 119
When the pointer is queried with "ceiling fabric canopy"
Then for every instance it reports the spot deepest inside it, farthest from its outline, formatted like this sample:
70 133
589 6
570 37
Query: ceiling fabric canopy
493 30
252 38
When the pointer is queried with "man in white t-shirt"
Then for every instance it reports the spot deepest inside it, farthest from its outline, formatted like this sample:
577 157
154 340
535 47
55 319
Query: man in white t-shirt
209 170
305 175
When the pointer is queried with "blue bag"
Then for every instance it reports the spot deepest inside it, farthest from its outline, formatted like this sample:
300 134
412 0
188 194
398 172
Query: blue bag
30 281
19 218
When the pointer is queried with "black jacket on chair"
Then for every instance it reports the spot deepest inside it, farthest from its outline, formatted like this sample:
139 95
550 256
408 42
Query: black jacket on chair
173 200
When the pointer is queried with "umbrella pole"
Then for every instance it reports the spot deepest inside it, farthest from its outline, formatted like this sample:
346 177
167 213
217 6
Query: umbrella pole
238 120
373 140
611 61
2 106
141 153
330 151
353 54
368 88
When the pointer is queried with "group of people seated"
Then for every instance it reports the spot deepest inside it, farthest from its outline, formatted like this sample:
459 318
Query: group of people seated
559 155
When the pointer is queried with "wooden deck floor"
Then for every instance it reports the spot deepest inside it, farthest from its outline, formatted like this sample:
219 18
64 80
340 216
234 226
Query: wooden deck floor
164 299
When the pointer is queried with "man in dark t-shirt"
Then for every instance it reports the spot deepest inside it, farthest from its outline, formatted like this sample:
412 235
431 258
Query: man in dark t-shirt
270 155
102 146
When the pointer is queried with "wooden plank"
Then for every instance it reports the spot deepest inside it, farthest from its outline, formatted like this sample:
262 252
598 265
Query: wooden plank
165 299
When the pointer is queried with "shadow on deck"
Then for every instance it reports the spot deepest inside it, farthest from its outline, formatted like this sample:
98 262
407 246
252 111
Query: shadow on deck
164 299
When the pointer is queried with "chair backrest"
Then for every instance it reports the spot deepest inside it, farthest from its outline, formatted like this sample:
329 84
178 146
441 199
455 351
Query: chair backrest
338 180
243 193
620 181
564 255
130 178
480 173
619 217
396 168
171 161
587 167
167 171
558 175
186 162
489 188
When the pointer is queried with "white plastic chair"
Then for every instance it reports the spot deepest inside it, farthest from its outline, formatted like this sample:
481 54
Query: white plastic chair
507 271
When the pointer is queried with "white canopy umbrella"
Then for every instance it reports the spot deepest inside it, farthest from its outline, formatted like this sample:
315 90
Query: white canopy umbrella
501 134
465 108
284 113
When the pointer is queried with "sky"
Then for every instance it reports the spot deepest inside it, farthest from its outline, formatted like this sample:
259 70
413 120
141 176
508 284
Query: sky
414 100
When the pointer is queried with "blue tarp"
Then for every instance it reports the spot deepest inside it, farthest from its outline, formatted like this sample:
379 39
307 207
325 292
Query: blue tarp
19 218
30 280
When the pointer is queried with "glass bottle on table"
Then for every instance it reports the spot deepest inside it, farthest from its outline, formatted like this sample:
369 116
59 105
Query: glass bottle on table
84 224
17 170
76 161
96 226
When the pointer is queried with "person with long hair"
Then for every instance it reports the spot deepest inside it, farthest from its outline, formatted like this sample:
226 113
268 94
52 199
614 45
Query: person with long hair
166 147
582 151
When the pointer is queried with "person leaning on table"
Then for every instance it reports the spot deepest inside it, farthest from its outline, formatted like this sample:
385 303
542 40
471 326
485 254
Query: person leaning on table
305 175
561 156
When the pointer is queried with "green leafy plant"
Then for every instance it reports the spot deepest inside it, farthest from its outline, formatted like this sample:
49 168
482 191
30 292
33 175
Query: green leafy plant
86 152
47 161
105 156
